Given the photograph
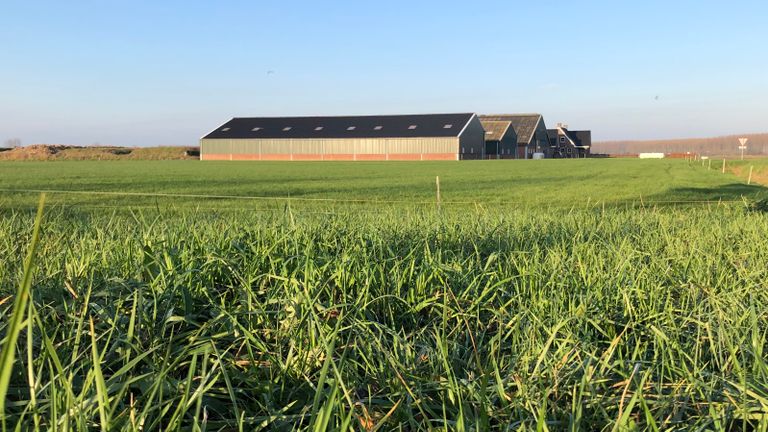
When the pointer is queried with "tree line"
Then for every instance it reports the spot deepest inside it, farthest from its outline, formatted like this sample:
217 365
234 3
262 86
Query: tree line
724 145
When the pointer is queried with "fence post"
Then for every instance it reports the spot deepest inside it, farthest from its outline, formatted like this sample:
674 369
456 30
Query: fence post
723 164
437 184
749 180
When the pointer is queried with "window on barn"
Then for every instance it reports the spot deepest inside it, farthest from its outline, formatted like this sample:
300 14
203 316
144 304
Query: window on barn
448 126
256 129
319 128
378 128
562 139
225 129
412 127
286 129
351 128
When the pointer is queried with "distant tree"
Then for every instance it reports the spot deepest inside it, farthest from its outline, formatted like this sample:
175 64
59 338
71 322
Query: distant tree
13 142
715 146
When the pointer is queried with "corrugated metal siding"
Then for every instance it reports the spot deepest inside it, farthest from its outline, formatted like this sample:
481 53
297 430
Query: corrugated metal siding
364 146
215 146
472 140
540 141
509 144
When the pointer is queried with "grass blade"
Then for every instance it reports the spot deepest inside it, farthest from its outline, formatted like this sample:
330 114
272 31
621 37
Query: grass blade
17 315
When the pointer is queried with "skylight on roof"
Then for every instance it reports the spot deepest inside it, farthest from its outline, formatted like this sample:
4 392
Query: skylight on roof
412 127
378 127
319 128
351 128
286 129
225 129
448 126
256 129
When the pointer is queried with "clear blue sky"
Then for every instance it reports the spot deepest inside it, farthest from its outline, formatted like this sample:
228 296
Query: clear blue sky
166 72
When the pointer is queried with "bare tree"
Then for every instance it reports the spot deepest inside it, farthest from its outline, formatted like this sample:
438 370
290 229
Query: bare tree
723 145
13 142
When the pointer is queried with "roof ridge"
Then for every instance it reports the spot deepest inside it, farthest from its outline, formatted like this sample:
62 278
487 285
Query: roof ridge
357 115
511 115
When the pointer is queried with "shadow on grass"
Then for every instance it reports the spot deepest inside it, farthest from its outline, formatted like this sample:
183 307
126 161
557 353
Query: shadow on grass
732 192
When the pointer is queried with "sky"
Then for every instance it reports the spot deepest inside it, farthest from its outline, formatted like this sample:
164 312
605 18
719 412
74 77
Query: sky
138 73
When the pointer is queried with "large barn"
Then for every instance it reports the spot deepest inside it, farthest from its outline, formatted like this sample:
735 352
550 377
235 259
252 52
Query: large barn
354 138
530 130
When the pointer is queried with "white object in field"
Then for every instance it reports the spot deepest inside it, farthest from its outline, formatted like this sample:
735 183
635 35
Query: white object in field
538 155
704 157
651 155
743 146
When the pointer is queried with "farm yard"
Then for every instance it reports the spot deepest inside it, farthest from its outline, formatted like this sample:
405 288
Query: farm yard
534 295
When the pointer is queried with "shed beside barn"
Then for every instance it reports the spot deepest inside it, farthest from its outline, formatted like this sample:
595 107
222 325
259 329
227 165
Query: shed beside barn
530 130
500 139
353 138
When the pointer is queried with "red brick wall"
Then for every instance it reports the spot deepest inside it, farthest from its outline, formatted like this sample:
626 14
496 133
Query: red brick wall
330 157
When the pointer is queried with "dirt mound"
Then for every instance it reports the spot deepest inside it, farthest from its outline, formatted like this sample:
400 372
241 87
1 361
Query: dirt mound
35 152
67 152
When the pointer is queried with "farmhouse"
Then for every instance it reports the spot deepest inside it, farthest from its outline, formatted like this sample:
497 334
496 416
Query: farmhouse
564 143
530 130
359 138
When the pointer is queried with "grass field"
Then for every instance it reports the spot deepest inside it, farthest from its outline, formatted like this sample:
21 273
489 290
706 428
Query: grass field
554 183
759 169
561 295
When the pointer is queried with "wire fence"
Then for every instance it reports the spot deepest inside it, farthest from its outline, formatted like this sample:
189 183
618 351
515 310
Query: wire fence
343 204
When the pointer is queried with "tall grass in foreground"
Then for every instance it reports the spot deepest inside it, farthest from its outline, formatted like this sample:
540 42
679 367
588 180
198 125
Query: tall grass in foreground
580 320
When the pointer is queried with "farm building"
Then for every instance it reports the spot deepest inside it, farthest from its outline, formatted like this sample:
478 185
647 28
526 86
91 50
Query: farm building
388 137
500 139
530 130
564 143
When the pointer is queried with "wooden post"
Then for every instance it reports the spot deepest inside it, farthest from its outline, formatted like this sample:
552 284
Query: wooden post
437 183
709 165
723 164
749 180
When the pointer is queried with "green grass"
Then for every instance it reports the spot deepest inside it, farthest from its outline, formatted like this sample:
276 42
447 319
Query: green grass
558 183
572 315
741 169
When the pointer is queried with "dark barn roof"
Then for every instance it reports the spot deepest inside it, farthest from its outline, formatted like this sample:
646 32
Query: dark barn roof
523 124
552 134
582 138
387 126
